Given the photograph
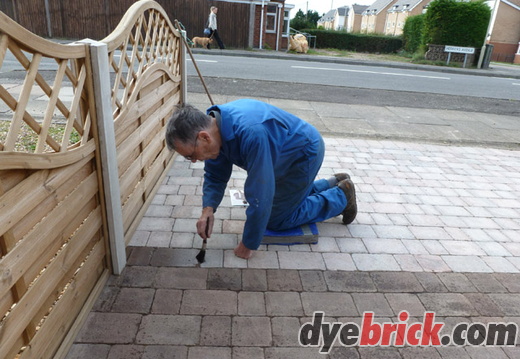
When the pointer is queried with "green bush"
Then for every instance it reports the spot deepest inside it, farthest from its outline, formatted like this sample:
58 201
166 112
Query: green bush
412 33
356 42
450 22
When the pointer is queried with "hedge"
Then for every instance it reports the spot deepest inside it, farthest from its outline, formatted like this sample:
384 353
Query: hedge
412 33
356 42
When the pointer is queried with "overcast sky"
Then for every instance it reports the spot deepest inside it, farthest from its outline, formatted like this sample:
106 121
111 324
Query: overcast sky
323 6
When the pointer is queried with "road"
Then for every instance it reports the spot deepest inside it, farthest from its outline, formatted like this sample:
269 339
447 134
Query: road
356 76
353 84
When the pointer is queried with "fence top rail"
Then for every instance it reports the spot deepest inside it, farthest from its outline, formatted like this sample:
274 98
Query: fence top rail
120 33
36 44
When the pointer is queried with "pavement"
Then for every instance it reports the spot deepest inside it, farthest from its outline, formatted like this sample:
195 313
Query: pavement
437 231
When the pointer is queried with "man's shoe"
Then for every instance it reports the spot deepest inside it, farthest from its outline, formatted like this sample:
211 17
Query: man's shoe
350 211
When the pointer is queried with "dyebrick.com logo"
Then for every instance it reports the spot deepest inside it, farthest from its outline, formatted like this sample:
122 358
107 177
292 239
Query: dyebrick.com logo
321 334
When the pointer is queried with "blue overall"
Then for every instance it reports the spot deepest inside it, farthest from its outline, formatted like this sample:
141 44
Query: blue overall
282 155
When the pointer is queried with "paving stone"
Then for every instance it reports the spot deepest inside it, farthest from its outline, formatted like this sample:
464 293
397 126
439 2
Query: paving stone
339 261
484 304
140 256
264 260
215 331
165 352
169 330
486 283
285 331
486 353
126 352
447 304
432 263
88 351
301 260
349 282
251 331
300 353
510 281
175 257
457 282
508 303
106 299
138 276
405 301
251 304
419 353
313 281
284 280
453 353
375 262
99 328
379 353
209 302
333 304
466 264
431 282
134 300
225 278
396 282
167 301
248 353
372 302
209 352
181 278
254 280
340 352
283 304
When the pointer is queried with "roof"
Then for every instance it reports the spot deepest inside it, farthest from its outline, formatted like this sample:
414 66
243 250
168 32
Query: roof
358 9
343 11
401 5
329 16
378 6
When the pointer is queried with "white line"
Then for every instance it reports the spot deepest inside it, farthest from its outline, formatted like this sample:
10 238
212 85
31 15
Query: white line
371 72
515 84
204 60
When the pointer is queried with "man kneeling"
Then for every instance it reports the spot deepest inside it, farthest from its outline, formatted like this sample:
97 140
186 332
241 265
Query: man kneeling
282 155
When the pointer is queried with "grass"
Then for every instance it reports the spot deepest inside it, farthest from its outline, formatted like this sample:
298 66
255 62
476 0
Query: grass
27 138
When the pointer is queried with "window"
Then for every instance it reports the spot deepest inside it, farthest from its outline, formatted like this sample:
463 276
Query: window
286 22
270 25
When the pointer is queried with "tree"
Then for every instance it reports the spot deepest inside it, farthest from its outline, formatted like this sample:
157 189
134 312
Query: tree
305 21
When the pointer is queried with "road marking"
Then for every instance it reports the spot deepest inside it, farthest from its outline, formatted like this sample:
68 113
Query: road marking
515 84
204 60
370 72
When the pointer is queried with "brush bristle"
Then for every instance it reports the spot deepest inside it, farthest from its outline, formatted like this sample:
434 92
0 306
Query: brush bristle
201 256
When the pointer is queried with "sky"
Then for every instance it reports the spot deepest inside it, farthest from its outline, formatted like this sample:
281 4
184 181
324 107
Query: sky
323 6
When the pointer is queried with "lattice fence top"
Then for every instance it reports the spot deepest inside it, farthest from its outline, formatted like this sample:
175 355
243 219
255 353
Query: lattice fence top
52 110
144 37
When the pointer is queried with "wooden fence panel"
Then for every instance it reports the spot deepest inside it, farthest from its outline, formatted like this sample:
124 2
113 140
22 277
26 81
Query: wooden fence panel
54 237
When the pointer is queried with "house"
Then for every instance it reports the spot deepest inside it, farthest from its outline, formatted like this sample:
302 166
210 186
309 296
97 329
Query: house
327 20
270 24
399 11
374 17
504 33
341 17
355 14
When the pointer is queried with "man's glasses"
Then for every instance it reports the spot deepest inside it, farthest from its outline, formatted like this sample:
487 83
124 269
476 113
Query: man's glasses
190 157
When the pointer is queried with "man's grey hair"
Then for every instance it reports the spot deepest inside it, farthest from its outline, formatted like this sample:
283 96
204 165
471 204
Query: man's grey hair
184 125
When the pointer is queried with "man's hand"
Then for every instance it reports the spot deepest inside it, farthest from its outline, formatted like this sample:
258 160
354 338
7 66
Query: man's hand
205 223
242 251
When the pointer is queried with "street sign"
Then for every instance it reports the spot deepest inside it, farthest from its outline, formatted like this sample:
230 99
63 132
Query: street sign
460 49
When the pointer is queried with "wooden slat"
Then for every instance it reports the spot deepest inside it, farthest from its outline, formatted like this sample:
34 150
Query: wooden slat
25 253
49 112
55 327
45 285
17 121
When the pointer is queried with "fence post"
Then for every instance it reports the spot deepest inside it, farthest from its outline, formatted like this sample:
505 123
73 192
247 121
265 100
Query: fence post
107 143
184 70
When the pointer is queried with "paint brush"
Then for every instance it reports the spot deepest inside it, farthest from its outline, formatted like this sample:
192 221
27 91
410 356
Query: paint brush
202 254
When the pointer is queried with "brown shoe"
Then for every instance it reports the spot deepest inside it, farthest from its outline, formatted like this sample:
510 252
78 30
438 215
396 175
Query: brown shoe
350 211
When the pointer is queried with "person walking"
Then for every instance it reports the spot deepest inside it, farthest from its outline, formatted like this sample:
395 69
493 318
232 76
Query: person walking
212 25
282 155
